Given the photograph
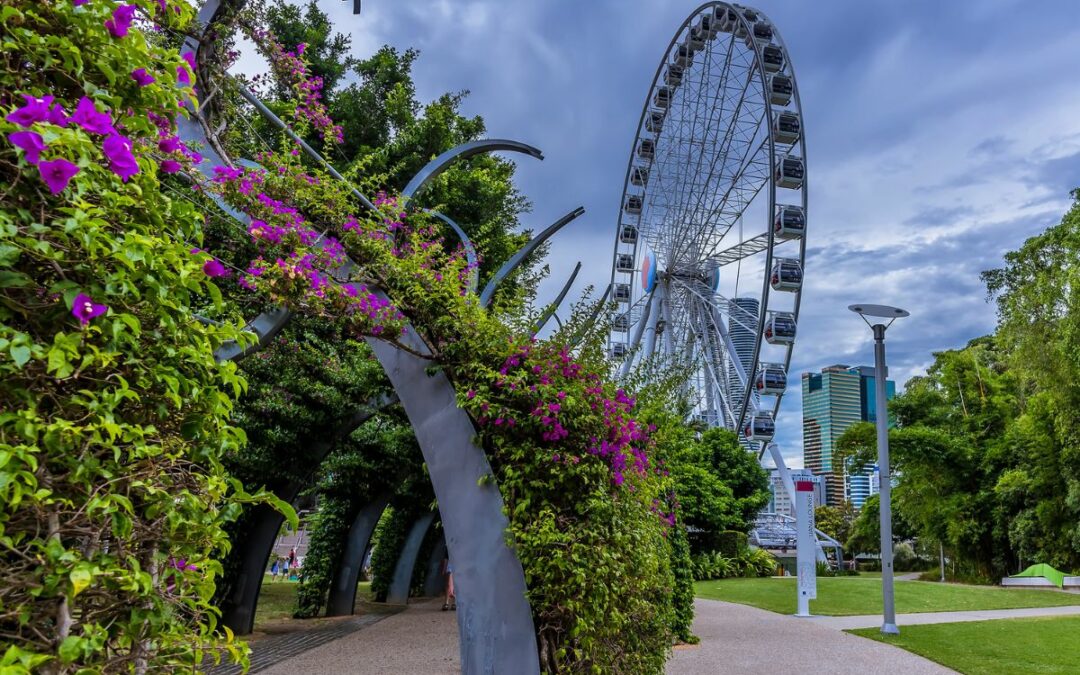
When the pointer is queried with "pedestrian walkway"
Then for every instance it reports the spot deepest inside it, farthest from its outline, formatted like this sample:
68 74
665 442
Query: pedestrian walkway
421 639
272 649
742 639
734 639
874 620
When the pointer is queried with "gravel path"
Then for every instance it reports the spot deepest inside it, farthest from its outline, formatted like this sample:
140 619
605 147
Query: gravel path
742 639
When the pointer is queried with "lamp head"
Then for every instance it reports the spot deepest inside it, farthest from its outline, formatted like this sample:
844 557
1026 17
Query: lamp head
879 311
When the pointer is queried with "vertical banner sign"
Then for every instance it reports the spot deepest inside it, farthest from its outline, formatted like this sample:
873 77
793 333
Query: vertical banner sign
805 545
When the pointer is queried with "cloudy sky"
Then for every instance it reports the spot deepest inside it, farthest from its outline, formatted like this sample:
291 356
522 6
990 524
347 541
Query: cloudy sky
939 135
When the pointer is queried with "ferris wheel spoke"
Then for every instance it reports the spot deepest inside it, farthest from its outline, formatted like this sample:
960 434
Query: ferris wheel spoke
686 196
705 198
745 249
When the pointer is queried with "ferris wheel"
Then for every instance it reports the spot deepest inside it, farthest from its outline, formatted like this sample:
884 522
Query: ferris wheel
710 240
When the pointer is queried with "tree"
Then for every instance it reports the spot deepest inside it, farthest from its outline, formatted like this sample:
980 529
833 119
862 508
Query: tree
835 521
719 484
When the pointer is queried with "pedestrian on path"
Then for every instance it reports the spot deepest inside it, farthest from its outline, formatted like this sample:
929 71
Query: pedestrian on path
451 598
274 570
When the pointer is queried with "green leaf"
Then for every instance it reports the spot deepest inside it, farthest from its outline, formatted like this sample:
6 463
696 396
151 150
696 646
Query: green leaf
20 354
80 577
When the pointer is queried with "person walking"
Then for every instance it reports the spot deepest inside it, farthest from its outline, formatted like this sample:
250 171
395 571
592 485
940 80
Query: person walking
274 570
451 598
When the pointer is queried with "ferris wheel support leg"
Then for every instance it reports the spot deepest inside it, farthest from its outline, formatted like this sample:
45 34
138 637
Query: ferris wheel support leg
650 329
639 330
781 467
669 328
730 346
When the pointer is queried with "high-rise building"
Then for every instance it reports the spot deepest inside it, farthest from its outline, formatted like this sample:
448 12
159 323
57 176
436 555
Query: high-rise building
833 400
742 329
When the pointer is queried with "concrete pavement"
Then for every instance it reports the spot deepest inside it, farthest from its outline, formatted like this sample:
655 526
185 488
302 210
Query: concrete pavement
421 640
742 639
874 620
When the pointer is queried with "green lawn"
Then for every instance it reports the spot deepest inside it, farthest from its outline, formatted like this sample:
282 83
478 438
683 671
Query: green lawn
845 596
277 599
1040 645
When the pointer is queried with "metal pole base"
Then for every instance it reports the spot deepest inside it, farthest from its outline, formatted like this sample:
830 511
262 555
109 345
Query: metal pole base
890 629
804 608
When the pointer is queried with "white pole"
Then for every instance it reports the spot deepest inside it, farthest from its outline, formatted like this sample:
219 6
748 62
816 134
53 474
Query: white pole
805 546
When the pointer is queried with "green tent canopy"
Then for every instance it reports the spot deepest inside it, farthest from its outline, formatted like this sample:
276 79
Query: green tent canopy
1045 571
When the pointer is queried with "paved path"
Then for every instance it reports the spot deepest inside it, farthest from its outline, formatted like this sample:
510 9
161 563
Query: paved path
872 620
421 640
742 639
272 649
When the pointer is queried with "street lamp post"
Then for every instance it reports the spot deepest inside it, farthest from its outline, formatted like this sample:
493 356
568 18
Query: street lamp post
892 314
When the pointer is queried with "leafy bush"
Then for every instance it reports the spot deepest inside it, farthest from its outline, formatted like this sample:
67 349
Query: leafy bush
114 416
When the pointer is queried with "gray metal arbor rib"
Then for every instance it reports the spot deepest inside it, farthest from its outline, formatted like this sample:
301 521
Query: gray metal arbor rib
342 596
554 306
398 593
470 250
494 618
519 257
494 621
443 161
433 581
254 544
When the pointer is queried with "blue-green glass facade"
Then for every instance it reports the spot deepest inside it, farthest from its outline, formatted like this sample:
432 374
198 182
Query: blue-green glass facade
833 400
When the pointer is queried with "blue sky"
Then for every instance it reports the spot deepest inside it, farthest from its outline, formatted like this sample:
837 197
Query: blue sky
939 136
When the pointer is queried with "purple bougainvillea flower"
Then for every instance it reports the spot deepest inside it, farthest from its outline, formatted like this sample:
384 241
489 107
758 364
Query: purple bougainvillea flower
84 308
121 20
169 144
170 166
183 75
121 159
57 173
142 77
214 268
57 116
30 142
35 110
300 48
78 3
86 115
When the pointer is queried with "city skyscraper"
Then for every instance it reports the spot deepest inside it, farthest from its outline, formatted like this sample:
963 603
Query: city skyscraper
742 328
833 400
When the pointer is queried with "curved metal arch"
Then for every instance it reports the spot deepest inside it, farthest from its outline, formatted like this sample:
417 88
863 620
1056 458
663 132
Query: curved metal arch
495 620
519 257
433 582
554 306
257 540
470 250
495 623
341 598
398 593
443 161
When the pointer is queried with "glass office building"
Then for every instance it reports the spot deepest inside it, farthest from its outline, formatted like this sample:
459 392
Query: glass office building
833 400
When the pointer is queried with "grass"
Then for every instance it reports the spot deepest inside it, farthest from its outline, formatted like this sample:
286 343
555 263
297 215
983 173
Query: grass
848 596
1037 645
278 598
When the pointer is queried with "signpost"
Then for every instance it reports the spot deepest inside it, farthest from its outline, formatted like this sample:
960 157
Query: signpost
805 545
